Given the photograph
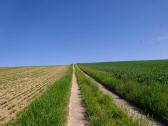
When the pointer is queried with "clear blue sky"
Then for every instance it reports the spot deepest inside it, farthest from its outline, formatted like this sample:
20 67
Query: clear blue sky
49 32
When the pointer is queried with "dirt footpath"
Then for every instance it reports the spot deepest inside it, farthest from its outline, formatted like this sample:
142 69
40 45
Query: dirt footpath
76 109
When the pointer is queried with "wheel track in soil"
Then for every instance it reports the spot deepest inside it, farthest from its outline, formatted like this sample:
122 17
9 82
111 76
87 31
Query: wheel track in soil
77 111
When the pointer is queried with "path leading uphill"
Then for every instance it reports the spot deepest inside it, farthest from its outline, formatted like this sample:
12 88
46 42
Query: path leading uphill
76 109
131 110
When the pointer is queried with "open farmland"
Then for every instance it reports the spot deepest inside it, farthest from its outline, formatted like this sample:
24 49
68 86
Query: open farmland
150 72
143 83
20 85
85 94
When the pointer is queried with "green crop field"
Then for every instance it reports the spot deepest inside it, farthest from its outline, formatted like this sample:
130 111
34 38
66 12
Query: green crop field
141 71
144 83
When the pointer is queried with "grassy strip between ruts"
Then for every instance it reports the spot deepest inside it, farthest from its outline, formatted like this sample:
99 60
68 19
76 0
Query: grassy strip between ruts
151 98
100 109
51 108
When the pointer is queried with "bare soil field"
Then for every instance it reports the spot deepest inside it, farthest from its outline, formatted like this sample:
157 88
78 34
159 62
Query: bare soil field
19 86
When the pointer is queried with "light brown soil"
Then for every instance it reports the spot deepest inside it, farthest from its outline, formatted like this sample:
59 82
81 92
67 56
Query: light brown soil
19 86
130 109
76 109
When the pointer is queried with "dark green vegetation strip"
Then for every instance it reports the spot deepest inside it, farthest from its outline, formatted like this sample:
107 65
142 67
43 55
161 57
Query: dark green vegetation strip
51 108
100 109
152 98
149 72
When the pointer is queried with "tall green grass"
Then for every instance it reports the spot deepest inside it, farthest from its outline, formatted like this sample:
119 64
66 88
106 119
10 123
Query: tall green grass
100 108
153 99
51 108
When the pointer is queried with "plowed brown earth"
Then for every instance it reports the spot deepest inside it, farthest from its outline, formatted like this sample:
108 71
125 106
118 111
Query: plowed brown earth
19 86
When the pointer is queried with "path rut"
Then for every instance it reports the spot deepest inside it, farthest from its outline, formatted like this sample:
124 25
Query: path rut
76 109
